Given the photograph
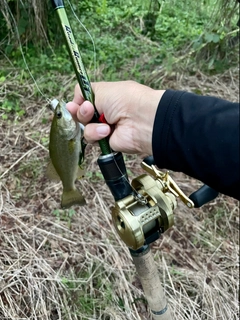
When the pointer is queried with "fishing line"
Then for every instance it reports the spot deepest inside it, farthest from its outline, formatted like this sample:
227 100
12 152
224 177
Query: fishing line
94 59
90 36
23 56
137 195
36 84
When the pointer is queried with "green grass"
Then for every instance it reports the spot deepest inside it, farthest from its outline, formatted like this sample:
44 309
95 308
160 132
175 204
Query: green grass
84 302
83 269
122 51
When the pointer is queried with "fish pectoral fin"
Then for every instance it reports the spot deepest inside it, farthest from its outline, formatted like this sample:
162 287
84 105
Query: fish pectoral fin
52 173
72 197
80 173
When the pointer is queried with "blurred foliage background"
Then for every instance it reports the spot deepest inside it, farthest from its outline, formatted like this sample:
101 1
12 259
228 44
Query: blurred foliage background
132 39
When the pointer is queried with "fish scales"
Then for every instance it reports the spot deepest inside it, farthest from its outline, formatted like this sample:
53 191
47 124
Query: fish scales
64 150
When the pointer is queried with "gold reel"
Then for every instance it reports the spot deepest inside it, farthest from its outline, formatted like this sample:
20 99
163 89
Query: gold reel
140 220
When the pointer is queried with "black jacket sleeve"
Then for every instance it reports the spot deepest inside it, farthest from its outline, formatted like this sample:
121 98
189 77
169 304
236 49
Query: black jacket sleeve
199 136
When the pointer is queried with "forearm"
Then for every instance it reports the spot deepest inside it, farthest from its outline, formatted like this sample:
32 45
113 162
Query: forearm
200 137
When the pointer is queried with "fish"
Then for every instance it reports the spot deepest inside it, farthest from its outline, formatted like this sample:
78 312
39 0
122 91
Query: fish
65 152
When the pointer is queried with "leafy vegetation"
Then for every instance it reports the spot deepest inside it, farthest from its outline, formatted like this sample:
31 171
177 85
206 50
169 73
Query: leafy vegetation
131 38
70 263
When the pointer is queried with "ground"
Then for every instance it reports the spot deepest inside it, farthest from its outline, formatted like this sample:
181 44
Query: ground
70 264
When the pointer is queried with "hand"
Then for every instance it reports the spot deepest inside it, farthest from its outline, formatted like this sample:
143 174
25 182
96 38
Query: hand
127 105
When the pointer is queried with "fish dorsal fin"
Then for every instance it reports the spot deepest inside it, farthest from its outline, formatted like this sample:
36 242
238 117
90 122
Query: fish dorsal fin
52 173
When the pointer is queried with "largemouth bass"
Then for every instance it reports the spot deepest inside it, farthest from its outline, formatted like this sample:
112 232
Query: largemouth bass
64 150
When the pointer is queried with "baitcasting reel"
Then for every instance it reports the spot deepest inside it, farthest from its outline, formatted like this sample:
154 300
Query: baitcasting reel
144 209
142 217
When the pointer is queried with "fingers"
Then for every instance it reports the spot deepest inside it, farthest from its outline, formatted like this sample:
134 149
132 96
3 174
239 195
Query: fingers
82 113
78 97
94 132
80 109
73 108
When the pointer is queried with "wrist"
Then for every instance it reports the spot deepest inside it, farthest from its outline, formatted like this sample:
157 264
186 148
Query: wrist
149 102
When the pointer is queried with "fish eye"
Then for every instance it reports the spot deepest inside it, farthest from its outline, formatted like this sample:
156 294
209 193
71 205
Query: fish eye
59 114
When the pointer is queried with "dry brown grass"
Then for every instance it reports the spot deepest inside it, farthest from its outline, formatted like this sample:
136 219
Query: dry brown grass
71 264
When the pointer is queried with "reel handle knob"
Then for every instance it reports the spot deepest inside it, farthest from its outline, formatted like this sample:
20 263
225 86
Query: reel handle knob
203 195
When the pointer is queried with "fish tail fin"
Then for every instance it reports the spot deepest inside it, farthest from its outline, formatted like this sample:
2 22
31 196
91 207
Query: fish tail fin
72 197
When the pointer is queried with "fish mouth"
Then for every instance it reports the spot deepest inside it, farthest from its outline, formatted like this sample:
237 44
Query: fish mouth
53 104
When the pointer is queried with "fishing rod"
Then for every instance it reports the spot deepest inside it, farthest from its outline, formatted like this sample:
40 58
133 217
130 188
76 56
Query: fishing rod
114 171
143 209
111 163
78 66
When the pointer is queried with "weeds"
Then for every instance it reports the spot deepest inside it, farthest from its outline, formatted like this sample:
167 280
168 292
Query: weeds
70 264
185 34
64 215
